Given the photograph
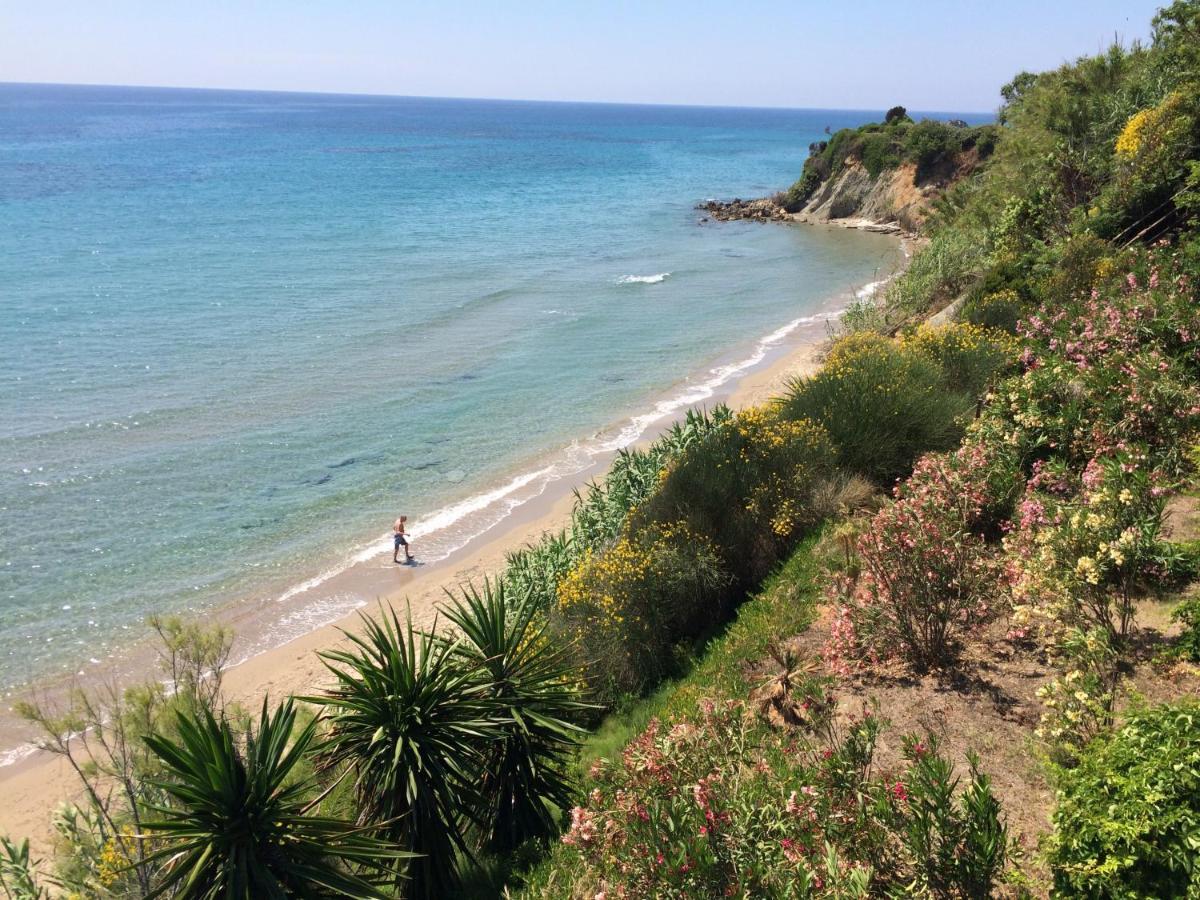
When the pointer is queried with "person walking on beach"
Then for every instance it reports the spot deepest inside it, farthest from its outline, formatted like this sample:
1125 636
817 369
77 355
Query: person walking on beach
400 537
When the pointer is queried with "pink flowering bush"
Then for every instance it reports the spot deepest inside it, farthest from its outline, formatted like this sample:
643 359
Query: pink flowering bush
1101 420
726 807
928 577
1117 366
1080 560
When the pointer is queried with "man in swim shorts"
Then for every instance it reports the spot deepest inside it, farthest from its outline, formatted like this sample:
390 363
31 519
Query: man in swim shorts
400 540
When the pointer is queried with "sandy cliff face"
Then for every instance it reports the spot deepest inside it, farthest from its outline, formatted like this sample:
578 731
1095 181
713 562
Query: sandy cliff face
893 196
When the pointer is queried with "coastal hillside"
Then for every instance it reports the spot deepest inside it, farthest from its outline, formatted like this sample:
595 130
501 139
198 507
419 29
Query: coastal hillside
978 675
882 176
924 624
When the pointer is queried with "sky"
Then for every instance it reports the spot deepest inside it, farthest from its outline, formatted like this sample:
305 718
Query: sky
845 54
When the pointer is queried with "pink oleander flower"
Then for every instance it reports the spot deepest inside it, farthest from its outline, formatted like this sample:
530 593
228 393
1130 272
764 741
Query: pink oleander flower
583 828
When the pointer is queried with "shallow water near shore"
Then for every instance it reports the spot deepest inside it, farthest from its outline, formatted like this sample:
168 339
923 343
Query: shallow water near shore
243 331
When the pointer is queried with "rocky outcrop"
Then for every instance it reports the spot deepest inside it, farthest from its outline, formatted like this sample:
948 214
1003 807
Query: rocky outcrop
771 209
766 209
896 201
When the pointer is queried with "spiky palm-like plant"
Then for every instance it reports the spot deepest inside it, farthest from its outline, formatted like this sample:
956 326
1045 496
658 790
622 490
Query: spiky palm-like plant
531 680
413 726
239 825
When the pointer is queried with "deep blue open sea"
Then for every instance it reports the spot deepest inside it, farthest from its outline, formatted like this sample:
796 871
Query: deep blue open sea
240 331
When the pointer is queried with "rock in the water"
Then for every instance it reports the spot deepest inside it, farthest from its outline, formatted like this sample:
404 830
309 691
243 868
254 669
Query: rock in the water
764 209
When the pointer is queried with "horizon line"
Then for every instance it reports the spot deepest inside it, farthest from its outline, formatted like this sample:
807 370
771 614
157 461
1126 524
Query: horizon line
244 90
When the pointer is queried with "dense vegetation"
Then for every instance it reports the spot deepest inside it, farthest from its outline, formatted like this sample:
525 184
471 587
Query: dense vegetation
931 146
996 485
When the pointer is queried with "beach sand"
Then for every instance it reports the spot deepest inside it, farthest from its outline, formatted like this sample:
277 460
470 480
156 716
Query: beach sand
33 787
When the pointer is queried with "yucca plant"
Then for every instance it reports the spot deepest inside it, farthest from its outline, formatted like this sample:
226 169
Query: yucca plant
239 824
413 727
530 678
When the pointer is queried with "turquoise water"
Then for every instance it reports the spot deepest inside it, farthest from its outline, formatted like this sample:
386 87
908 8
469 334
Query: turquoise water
242 331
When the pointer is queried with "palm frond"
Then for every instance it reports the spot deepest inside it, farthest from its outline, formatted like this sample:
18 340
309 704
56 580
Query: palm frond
414 728
236 824
530 677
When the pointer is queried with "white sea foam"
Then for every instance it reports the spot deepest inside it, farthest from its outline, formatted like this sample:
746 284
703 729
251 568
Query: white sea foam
302 620
644 279
16 754
869 290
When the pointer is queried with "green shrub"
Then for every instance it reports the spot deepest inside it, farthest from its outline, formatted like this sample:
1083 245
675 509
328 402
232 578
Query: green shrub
1070 268
879 153
1000 310
945 268
627 606
970 357
929 142
840 146
748 487
984 138
1187 614
882 404
797 195
958 844
17 872
1128 815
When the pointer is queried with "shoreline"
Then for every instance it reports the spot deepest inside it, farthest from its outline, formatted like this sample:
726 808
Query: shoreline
37 782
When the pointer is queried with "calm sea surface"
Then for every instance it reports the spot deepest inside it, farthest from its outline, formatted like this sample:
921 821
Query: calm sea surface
240 331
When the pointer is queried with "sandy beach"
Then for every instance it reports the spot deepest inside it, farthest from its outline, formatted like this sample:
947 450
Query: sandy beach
34 786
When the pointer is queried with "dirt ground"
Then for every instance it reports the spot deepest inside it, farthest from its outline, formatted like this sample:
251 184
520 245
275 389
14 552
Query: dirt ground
988 704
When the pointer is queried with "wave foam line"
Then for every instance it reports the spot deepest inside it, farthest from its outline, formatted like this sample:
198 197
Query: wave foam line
718 377
16 754
871 289
440 535
644 279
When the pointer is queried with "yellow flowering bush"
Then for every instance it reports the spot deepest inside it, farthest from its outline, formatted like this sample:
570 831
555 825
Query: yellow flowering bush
748 487
1148 130
1077 704
1133 135
995 309
1151 156
882 403
785 452
627 606
969 355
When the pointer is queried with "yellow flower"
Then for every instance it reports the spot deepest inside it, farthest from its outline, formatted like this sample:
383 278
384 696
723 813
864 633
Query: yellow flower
1129 141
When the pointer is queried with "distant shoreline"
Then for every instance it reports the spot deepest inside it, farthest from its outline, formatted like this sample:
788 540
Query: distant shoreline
981 114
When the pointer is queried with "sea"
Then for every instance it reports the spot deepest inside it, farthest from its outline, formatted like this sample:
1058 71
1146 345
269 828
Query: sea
241 332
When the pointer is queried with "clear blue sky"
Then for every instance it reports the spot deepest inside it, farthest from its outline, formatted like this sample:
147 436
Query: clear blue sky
857 54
